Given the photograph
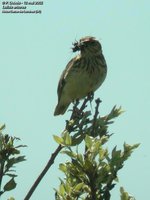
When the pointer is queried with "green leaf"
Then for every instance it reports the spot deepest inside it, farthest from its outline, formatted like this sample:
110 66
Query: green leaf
96 146
11 198
67 138
115 112
10 185
2 127
77 139
125 195
61 189
68 188
71 122
13 161
78 187
88 165
103 153
116 154
88 141
20 146
59 140
62 167
12 150
128 149
11 175
69 153
80 158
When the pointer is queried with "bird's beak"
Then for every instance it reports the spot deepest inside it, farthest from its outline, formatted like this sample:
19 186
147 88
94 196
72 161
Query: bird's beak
77 46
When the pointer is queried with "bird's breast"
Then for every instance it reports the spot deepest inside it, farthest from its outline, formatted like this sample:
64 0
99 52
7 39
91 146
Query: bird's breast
83 80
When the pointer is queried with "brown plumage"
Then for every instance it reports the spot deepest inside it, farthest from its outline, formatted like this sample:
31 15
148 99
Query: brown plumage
82 75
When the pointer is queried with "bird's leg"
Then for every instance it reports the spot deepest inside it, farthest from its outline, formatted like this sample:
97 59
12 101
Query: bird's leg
90 96
80 111
75 111
75 103
73 116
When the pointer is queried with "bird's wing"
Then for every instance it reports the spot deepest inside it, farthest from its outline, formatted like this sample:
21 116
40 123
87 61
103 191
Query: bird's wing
72 63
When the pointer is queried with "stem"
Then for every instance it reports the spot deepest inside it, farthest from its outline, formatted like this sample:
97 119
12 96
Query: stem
93 190
1 175
109 186
92 194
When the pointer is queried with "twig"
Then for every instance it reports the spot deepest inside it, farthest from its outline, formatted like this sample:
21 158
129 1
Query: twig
97 101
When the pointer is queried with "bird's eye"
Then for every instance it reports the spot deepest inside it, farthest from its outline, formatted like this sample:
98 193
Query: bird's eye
86 44
92 43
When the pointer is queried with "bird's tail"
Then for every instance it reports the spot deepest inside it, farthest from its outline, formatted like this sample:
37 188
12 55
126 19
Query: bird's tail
60 109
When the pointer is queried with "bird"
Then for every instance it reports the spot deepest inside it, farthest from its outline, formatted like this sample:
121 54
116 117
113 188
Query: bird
83 75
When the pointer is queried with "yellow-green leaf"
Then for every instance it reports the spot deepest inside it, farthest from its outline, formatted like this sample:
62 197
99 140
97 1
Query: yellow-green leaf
59 140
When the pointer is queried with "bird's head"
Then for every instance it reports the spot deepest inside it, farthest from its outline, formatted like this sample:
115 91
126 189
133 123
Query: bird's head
87 45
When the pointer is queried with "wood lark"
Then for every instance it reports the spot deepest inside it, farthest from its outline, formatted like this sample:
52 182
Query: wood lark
83 74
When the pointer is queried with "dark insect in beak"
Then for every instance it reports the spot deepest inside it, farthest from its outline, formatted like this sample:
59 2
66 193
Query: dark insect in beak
76 46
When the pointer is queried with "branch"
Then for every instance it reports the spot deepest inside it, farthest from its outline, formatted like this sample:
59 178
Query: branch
46 168
59 148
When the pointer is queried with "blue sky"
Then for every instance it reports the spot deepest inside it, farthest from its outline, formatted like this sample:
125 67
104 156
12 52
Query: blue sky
34 49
